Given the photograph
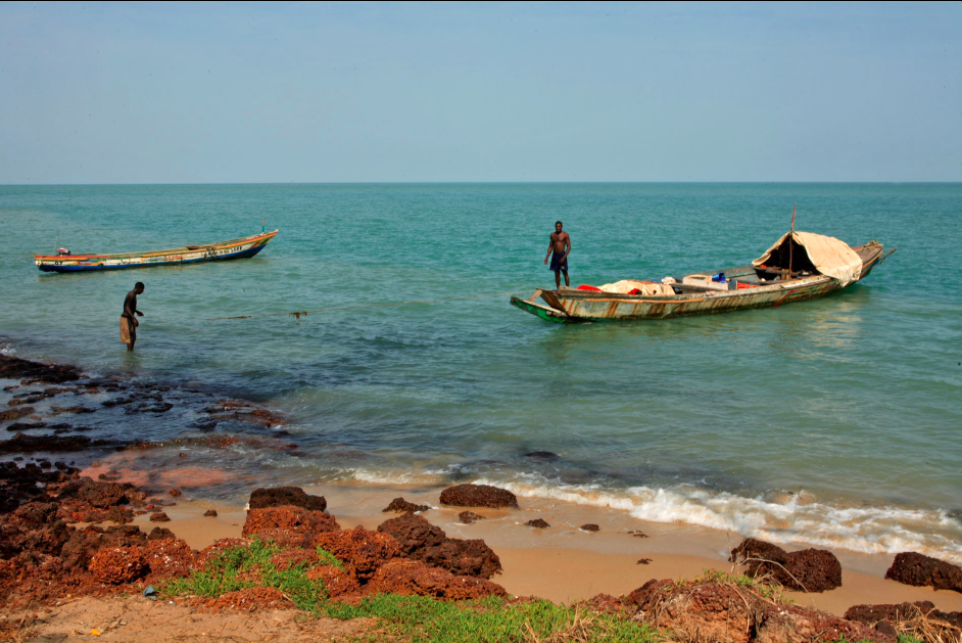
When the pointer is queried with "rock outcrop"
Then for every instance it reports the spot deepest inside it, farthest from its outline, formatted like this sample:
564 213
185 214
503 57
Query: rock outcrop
407 577
400 505
478 495
725 612
420 540
920 618
912 568
288 525
808 570
362 551
281 496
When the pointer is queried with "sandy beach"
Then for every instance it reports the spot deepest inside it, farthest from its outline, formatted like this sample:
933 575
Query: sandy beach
563 563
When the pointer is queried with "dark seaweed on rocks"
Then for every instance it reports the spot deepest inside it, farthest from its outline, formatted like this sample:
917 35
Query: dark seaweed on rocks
16 427
22 443
16 368
102 495
16 413
19 485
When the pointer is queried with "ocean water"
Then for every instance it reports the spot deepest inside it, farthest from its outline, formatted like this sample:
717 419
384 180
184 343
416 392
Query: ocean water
833 422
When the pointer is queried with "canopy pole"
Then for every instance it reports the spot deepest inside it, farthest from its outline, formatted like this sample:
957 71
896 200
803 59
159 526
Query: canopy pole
791 242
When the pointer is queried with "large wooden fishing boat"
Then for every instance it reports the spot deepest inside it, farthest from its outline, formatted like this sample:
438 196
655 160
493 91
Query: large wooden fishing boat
233 249
801 265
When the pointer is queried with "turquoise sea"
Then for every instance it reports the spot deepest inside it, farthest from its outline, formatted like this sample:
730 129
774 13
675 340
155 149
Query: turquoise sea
834 422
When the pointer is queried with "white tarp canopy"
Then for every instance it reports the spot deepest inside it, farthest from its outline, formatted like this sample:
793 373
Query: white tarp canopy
830 256
650 288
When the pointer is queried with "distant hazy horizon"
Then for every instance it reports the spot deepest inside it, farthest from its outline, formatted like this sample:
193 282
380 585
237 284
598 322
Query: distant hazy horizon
228 183
237 93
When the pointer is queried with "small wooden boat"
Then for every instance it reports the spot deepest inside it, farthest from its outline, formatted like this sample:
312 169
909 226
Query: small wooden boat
223 250
801 265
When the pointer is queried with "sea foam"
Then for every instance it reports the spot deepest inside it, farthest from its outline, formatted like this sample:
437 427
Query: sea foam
789 520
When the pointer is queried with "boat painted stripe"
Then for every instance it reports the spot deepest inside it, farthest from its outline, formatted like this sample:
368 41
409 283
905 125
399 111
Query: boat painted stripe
101 266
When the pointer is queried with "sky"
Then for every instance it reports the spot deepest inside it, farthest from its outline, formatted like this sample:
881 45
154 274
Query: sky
479 92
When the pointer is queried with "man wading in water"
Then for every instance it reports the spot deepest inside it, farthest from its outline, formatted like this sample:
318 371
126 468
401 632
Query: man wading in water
129 323
558 243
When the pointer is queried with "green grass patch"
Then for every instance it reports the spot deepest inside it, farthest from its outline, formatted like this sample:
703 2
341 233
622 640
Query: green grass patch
407 617
491 620
238 568
417 618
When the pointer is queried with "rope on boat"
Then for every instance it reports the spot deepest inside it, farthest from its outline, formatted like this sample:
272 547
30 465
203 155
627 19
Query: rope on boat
299 313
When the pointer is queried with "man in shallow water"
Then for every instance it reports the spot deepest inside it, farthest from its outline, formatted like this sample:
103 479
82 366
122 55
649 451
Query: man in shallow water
560 244
130 309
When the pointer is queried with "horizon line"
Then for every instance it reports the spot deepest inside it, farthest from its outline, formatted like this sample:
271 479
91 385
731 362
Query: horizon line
758 182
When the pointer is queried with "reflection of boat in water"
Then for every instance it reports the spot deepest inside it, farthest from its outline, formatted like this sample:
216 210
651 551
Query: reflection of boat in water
801 265
233 249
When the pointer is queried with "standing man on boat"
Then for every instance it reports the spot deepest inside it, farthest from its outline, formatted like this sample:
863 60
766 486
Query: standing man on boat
559 243
129 323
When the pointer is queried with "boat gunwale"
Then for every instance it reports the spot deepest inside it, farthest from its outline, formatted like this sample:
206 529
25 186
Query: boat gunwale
160 253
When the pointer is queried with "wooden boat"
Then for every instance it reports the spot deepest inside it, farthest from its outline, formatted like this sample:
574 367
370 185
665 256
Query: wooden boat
223 250
800 265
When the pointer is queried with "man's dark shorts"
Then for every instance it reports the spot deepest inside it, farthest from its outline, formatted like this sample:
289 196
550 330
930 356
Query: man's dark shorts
557 264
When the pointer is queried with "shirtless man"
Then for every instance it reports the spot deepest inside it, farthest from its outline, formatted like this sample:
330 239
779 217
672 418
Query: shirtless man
560 244
130 309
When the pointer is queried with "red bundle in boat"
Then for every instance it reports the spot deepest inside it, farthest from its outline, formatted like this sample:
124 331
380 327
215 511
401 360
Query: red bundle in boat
587 287
739 285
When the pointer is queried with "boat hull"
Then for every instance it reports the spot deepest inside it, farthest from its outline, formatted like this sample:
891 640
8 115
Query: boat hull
569 305
226 250
627 307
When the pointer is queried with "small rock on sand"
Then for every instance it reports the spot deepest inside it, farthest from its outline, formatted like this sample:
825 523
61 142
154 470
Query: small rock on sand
468 517
538 523
401 505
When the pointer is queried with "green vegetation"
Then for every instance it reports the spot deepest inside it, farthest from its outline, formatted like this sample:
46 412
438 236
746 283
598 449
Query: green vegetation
327 558
238 568
407 617
771 592
489 621
419 618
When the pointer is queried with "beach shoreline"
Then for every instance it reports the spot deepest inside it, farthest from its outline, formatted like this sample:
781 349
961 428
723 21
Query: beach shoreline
562 562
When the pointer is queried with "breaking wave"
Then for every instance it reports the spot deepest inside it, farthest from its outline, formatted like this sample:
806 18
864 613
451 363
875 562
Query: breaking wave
798 519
